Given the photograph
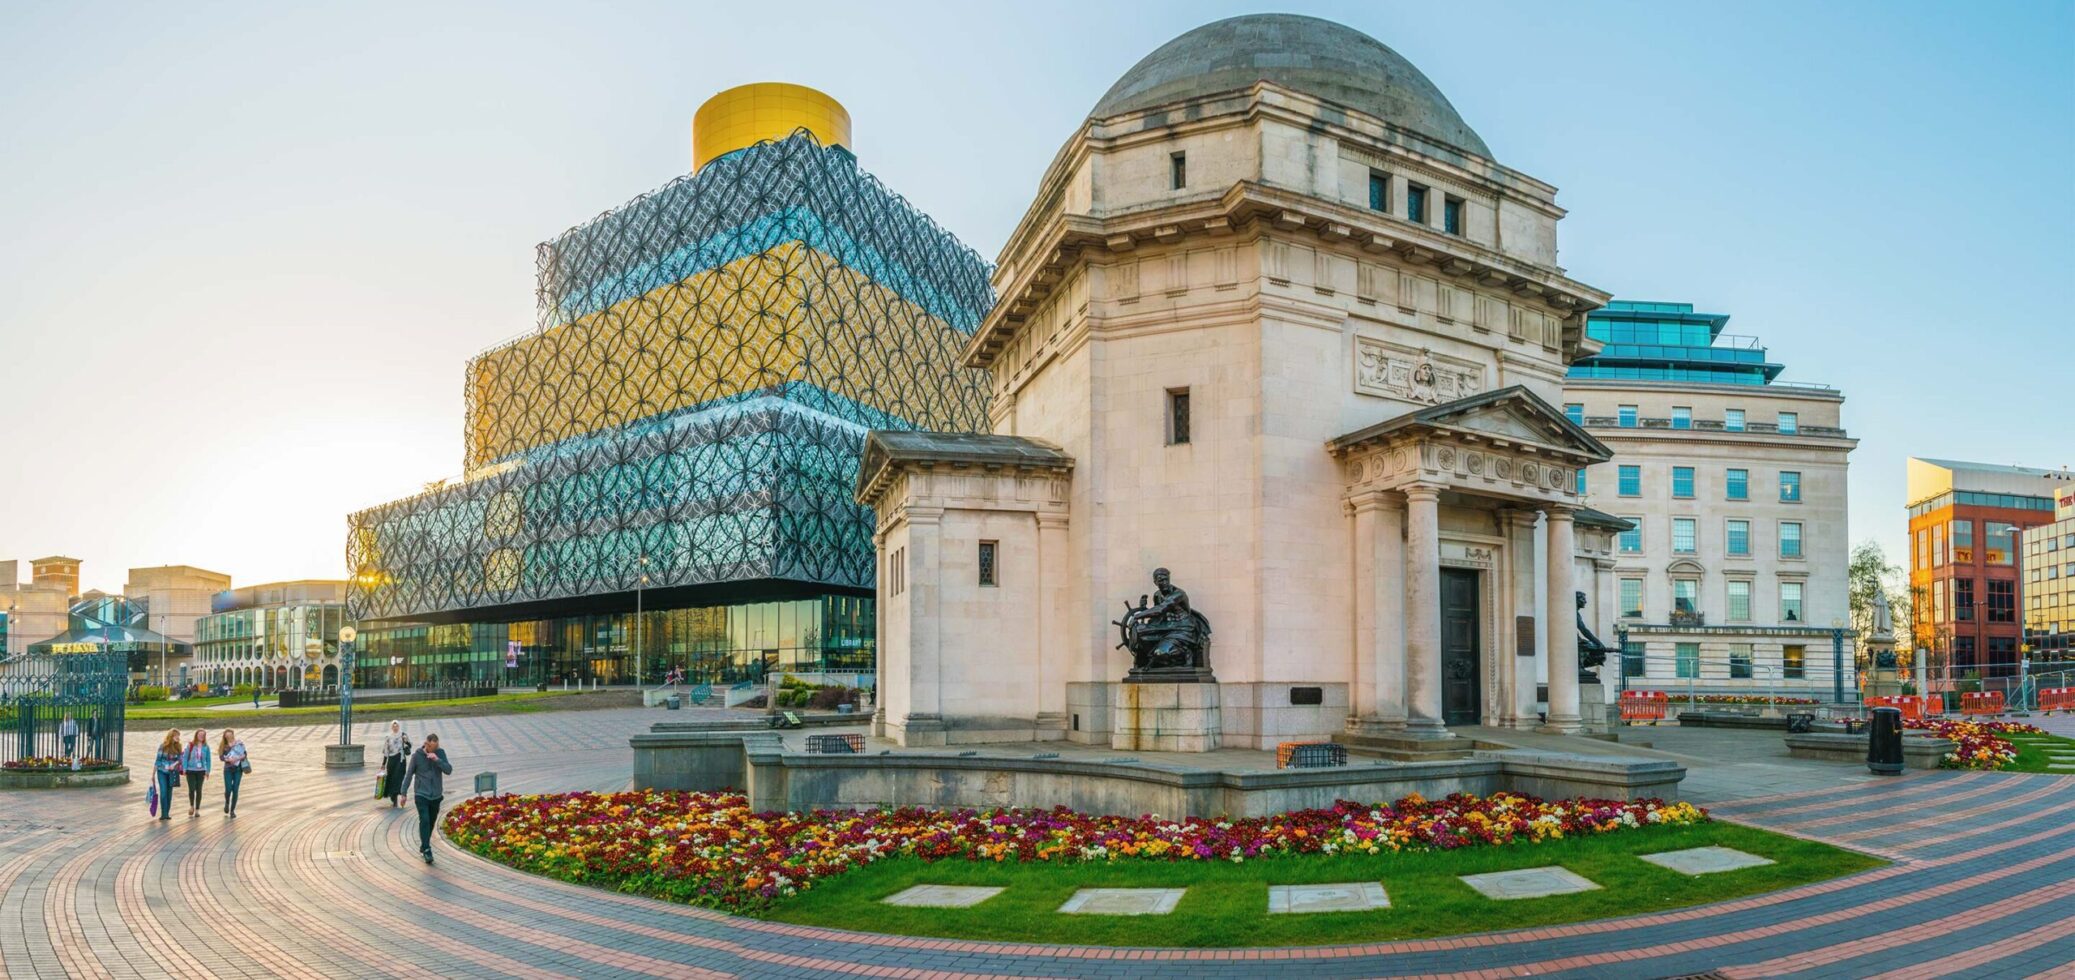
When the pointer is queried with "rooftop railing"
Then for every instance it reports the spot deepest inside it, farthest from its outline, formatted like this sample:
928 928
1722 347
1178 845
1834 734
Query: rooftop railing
1710 425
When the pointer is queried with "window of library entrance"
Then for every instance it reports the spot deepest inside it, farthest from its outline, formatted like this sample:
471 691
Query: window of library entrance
1460 690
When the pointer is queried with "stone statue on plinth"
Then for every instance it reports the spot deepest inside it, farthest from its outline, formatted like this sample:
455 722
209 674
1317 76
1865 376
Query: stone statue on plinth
1169 641
1592 653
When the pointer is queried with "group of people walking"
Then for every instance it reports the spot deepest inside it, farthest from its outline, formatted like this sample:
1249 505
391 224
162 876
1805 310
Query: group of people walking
194 760
417 773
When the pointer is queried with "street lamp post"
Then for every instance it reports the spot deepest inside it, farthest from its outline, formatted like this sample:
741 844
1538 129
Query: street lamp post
345 755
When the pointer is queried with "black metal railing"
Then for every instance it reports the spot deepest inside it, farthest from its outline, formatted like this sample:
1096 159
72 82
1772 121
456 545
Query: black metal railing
41 693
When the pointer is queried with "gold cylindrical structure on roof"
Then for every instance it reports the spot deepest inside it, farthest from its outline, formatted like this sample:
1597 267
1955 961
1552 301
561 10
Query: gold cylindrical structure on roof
748 114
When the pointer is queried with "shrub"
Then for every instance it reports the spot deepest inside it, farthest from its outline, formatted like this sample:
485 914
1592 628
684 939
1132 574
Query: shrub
242 691
149 692
827 698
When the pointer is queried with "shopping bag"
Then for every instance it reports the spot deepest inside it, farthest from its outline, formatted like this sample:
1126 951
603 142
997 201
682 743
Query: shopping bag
151 799
378 787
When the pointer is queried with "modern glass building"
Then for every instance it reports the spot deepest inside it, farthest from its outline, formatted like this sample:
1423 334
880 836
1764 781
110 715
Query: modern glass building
114 624
282 635
680 433
1670 342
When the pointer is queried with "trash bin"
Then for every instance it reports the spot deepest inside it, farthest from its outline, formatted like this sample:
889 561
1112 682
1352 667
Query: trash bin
674 702
1801 723
1884 742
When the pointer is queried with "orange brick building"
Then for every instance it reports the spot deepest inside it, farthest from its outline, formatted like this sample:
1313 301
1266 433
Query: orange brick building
1964 574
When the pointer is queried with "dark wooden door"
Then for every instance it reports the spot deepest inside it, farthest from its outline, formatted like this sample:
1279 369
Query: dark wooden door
1461 694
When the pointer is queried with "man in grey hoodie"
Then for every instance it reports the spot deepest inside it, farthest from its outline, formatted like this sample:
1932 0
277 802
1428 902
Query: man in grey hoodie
424 773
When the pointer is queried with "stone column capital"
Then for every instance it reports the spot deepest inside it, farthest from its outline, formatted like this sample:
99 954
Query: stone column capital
1560 512
1047 521
1520 517
1367 502
930 516
1421 491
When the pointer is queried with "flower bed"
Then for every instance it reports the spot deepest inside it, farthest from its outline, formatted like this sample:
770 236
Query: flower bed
709 849
52 763
1735 699
1977 744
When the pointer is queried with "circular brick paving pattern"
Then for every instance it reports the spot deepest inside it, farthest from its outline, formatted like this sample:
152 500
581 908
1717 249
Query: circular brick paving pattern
315 878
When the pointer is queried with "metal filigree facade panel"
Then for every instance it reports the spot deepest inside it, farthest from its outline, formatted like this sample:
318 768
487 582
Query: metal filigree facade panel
693 402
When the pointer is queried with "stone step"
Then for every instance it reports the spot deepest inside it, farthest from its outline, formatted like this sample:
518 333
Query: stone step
1402 748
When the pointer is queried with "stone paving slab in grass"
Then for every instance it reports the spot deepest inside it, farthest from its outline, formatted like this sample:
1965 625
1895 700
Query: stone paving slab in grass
942 896
1529 883
1123 901
1705 860
1353 896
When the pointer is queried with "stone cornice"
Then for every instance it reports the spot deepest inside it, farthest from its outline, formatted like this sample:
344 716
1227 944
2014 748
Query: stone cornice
1059 241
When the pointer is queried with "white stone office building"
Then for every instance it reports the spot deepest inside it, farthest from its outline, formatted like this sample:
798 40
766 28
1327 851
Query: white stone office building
1732 578
1277 321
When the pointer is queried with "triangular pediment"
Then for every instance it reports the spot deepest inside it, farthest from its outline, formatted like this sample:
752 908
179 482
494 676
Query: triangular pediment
1505 415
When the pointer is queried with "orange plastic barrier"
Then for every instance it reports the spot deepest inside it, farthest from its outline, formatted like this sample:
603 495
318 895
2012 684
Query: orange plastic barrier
1981 703
2053 699
1934 705
1911 706
1643 706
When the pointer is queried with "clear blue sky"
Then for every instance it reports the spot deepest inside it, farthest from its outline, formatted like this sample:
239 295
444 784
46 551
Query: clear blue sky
246 249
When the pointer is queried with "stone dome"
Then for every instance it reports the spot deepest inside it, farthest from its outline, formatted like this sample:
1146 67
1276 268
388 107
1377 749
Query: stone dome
1318 57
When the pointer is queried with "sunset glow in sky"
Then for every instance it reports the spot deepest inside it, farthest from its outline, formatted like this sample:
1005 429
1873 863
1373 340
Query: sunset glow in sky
246 250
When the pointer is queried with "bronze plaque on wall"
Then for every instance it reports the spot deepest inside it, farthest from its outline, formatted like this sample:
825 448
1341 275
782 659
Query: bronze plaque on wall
1524 635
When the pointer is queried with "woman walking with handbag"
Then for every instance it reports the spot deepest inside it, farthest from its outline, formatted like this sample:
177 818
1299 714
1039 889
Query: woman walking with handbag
235 766
396 749
194 764
166 769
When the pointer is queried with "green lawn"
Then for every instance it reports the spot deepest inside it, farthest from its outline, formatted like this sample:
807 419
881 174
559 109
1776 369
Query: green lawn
2032 751
197 711
1227 903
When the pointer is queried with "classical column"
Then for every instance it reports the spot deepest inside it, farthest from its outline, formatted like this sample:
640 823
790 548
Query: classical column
1376 701
1423 611
1561 628
1361 647
925 653
1520 587
1055 633
881 603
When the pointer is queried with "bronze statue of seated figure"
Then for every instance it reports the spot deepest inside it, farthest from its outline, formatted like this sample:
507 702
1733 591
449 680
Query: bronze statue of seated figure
1169 641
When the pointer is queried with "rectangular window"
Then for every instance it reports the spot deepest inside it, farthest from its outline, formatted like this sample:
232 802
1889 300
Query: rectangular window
1682 417
1790 486
2000 539
987 549
1686 595
1790 539
1581 481
1627 415
1684 539
2002 600
1963 601
1379 191
1794 662
1739 484
1632 598
1937 545
1632 658
1631 483
1739 601
1416 204
1790 602
1632 539
1452 215
1923 549
1682 482
1739 661
1178 169
1575 412
1739 539
1790 423
1689 660
1733 420
1177 416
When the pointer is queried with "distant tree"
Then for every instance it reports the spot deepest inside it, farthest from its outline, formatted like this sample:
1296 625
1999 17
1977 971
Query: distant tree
1868 574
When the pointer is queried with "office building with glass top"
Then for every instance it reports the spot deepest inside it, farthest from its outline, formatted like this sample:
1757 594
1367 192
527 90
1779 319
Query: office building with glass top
1733 579
679 435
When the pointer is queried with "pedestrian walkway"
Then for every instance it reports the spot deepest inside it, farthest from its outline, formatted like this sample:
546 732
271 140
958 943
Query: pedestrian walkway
315 879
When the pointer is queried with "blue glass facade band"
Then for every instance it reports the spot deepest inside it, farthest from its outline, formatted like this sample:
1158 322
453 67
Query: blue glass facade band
1670 342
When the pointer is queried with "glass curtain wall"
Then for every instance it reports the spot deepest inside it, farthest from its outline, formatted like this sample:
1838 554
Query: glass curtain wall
711 644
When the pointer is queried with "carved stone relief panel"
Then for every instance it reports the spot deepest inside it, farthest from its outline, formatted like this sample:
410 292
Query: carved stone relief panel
1395 371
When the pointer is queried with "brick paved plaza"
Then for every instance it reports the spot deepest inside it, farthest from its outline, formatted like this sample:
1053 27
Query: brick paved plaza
315 879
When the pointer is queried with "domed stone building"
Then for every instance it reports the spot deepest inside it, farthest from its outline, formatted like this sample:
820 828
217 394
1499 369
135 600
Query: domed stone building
1278 322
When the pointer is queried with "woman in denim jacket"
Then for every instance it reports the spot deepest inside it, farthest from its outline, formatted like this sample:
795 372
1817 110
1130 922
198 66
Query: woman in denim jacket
166 769
194 763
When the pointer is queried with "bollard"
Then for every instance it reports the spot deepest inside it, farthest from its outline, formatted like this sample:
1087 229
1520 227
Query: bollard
1884 742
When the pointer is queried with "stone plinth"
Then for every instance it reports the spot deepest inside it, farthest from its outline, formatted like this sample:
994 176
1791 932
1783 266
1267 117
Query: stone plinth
1148 717
1917 752
1883 682
345 757
62 778
1594 713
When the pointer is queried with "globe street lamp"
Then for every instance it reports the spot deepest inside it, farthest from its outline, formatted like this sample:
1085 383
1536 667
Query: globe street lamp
345 755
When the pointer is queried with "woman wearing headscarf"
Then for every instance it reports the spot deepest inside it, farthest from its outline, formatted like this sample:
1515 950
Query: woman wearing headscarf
396 750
